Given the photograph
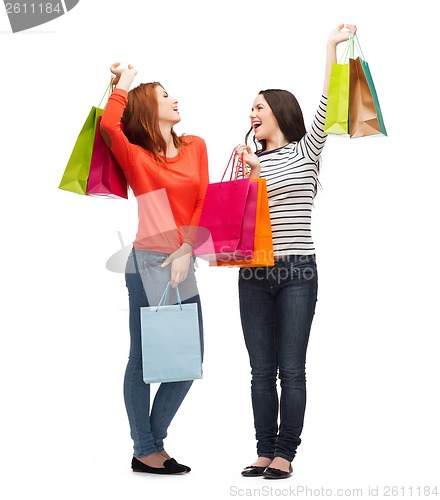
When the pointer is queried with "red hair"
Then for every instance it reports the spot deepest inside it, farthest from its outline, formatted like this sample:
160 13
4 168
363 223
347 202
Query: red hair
141 123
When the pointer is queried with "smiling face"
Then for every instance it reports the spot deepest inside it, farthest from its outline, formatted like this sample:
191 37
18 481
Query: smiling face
168 112
263 120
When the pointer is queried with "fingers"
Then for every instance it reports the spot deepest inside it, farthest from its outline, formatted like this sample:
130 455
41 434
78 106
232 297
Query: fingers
116 70
241 149
174 282
247 153
352 28
176 279
177 276
166 262
179 267
114 66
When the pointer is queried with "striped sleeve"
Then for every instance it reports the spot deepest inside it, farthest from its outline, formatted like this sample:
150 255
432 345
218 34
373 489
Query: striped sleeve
312 144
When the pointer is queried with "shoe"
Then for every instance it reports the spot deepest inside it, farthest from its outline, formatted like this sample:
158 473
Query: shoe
169 467
253 471
271 473
188 469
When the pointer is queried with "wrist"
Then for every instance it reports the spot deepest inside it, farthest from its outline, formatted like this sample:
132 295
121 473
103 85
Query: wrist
255 173
125 80
186 248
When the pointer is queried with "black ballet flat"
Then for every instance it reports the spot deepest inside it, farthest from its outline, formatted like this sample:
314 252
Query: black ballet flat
188 469
169 467
253 471
271 473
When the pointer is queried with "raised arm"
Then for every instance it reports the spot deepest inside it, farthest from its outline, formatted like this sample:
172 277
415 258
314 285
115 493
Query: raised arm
111 118
336 36
123 76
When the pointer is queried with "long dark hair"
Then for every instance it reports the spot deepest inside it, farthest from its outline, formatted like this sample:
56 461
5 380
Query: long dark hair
141 124
288 115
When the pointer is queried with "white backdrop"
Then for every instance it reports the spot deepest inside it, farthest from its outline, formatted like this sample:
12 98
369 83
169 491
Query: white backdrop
373 371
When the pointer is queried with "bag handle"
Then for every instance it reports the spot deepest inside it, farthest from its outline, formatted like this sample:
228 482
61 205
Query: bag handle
349 49
236 165
358 46
343 58
107 92
164 297
351 44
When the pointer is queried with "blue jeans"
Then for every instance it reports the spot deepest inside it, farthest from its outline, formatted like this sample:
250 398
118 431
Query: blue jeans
146 282
277 305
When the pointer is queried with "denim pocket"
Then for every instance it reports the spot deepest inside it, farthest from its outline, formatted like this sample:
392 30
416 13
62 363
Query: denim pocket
302 267
152 260
305 270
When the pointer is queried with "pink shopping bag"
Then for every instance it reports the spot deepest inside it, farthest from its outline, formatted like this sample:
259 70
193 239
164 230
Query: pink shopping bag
106 177
229 214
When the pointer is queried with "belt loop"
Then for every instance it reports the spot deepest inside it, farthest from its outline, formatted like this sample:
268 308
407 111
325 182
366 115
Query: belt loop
135 260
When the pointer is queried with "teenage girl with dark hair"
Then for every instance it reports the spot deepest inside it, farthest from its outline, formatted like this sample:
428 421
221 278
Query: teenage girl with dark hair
277 304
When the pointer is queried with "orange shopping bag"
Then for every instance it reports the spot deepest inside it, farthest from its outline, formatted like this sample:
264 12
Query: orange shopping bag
263 246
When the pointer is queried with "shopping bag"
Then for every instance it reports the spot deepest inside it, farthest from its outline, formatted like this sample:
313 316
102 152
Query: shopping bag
263 244
77 170
171 345
106 177
336 116
362 114
353 106
368 76
76 173
229 214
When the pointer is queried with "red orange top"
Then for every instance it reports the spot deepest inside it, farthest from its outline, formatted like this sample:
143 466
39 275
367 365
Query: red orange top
170 197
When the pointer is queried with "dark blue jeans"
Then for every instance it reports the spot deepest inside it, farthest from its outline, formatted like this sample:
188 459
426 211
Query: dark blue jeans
277 305
146 281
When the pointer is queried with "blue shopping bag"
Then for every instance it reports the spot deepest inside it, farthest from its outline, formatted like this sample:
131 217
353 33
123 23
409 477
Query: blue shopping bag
171 345
372 87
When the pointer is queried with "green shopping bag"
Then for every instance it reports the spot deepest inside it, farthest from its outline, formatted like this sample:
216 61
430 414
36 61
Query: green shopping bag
370 82
336 116
77 170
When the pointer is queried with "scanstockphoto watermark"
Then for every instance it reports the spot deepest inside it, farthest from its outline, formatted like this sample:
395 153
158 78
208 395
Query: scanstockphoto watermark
290 267
371 491
25 15
279 273
295 492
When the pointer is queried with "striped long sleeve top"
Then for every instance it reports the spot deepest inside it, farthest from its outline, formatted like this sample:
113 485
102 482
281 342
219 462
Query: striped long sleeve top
291 174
